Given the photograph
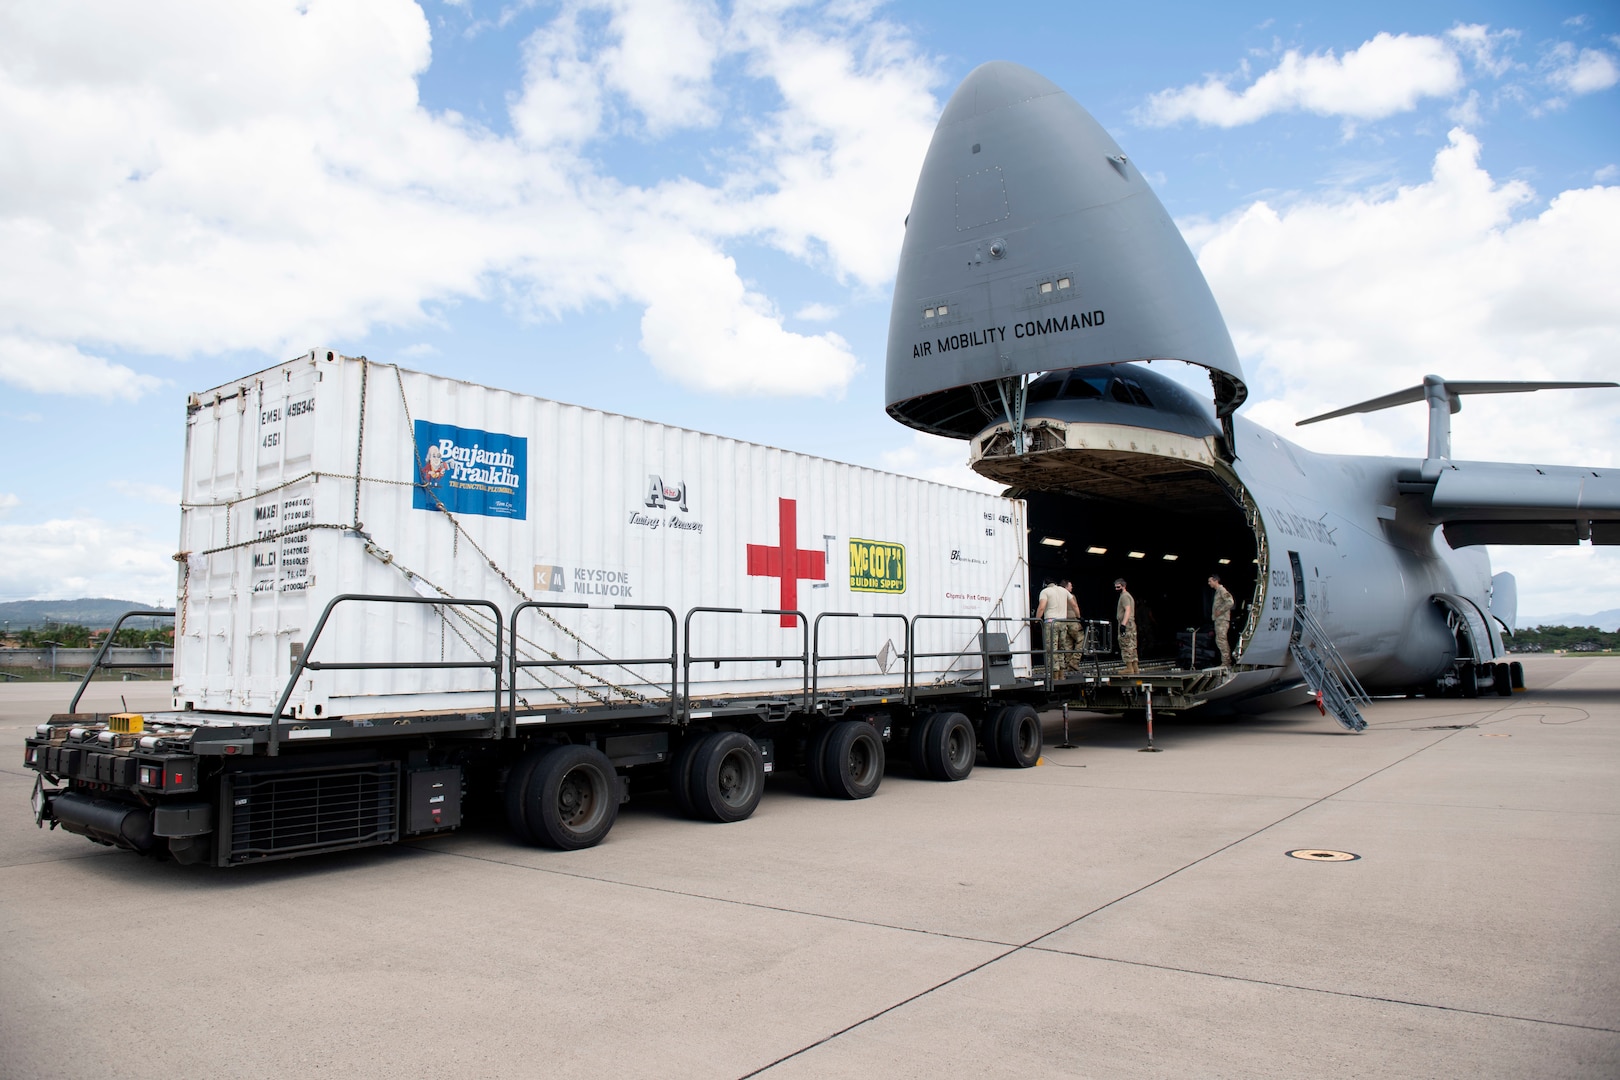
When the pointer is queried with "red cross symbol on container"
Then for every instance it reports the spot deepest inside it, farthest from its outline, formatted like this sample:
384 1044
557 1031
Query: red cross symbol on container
786 561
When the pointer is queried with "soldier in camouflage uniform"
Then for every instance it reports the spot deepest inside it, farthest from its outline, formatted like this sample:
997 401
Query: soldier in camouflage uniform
1127 627
1221 611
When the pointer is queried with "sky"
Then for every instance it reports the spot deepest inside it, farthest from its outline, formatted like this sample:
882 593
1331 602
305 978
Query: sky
692 212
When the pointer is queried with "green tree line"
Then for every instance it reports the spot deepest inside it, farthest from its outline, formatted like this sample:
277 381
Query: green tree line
1563 637
74 636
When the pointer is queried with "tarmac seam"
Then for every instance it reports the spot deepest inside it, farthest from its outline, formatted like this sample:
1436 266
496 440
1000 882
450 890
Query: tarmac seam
721 899
1319 990
880 1013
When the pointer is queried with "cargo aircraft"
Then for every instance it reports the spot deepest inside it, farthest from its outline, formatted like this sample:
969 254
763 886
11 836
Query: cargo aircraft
1039 278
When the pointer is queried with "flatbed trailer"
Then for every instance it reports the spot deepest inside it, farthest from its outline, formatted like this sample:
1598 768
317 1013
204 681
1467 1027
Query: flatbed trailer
231 789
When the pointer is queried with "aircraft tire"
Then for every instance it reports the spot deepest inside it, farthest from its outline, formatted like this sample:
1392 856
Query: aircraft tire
1516 672
917 743
950 747
1468 680
680 774
572 797
727 777
1503 679
853 760
517 782
1018 737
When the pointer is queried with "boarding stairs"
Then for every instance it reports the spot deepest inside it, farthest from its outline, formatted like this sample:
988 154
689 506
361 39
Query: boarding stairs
1329 677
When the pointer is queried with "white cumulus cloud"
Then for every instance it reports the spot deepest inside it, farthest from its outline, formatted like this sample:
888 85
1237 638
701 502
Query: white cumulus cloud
1581 71
184 182
1386 75
83 557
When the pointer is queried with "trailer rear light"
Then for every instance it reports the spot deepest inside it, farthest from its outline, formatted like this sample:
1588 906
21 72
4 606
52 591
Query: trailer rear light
151 776
31 756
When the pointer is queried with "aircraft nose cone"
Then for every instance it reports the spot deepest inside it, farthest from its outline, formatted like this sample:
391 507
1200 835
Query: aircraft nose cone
1034 245
993 86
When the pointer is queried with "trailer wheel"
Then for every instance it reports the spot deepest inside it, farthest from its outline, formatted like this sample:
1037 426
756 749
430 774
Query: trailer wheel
853 762
727 776
950 746
917 743
572 798
815 758
1018 737
1516 675
680 774
1503 678
517 786
989 724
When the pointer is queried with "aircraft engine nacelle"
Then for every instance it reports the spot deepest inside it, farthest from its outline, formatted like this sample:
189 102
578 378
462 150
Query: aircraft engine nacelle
1034 244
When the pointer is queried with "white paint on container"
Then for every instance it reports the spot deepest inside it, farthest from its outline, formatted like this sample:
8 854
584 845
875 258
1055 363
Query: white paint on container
479 493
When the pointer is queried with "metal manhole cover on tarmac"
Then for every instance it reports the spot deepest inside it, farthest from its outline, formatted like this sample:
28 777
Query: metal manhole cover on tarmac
1321 855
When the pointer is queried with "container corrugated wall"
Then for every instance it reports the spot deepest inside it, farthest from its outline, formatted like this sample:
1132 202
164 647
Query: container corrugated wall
553 502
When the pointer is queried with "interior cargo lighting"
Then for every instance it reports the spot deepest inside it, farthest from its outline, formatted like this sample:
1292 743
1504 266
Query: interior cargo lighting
1051 541
1171 558
1137 554
1226 562
1096 551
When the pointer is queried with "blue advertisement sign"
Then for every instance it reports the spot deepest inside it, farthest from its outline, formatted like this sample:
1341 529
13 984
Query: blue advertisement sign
470 471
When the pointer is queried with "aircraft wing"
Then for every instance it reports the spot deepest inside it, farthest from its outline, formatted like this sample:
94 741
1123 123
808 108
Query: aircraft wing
1491 502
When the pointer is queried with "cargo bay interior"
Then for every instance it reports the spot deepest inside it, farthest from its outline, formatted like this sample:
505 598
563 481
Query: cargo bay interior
1164 548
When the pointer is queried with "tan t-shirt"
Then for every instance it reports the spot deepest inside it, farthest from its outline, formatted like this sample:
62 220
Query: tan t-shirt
1056 598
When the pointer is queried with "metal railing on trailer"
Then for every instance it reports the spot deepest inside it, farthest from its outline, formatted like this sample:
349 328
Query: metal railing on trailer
984 653
304 663
802 658
107 644
671 710
817 659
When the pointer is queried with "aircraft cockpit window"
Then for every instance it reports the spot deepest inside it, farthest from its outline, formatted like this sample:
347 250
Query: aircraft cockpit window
1128 392
1080 388
1044 390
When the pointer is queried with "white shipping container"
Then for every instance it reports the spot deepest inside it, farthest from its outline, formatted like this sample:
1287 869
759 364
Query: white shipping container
329 475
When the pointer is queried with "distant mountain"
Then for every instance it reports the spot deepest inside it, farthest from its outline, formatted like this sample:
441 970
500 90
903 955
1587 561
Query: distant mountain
1607 621
97 614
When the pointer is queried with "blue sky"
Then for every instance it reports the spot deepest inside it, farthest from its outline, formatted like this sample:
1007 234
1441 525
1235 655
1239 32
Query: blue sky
692 211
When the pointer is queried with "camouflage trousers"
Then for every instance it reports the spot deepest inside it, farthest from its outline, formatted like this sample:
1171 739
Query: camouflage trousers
1127 645
1223 628
1062 645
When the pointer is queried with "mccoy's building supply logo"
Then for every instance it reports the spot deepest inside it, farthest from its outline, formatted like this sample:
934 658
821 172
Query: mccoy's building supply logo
470 471
877 566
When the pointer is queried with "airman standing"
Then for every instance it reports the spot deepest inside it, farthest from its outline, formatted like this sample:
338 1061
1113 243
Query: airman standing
1126 614
1221 612
1057 609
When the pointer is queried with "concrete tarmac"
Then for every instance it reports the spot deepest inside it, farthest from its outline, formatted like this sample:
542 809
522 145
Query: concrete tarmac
1107 914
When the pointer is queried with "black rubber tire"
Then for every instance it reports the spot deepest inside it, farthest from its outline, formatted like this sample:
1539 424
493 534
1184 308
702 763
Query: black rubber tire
815 759
853 760
1503 679
987 736
517 783
1516 675
1018 737
680 773
727 777
917 743
572 798
950 746
1468 681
